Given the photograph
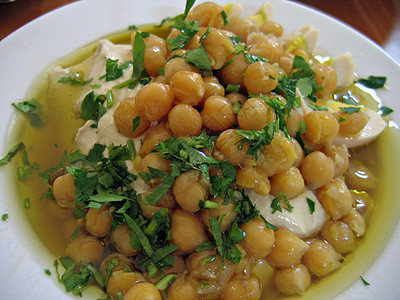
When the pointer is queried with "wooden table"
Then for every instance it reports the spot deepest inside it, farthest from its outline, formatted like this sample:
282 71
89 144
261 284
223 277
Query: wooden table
378 19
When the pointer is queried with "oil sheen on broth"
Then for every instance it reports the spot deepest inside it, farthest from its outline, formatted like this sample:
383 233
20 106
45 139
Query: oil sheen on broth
54 225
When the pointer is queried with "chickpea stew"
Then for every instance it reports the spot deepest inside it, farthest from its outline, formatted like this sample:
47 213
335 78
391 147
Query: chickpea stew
214 165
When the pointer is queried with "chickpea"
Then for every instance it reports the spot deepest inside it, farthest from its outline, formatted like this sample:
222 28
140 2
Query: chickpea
123 119
336 199
123 263
263 46
317 170
85 249
359 177
253 178
155 55
259 239
175 65
233 72
64 190
301 52
212 88
178 267
293 122
187 231
288 249
278 156
122 281
339 235
299 154
290 182
351 124
142 291
207 266
260 78
155 161
207 14
235 97
363 203
272 27
218 46
340 157
188 191
188 87
321 259
168 201
217 113
98 221
242 27
242 288
195 41
122 241
255 114
326 78
182 288
355 221
286 62
227 211
322 127
154 100
153 138
184 120
292 280
228 143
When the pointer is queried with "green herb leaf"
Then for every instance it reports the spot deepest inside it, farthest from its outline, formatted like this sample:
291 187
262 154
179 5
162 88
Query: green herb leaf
384 110
4 217
199 58
74 80
14 150
224 17
268 224
311 205
164 283
114 70
135 122
366 283
350 109
232 88
373 82
32 109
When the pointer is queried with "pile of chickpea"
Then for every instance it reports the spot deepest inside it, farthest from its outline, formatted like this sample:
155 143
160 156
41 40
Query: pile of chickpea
181 102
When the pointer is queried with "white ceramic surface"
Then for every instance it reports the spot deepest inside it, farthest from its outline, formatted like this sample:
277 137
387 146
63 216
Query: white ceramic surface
26 52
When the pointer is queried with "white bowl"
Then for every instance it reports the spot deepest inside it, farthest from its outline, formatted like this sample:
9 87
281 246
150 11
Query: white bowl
28 51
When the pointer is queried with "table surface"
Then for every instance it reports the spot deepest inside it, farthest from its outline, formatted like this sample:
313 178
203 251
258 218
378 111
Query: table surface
379 20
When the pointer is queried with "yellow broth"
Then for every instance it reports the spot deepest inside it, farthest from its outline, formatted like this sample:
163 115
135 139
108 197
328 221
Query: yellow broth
54 224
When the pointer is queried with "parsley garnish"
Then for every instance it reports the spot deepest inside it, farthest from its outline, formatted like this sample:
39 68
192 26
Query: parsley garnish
74 80
114 70
373 82
366 283
350 109
4 217
384 110
92 107
311 205
14 150
32 109
276 203
199 58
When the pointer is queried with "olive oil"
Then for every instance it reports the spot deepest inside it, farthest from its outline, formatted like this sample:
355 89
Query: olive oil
54 224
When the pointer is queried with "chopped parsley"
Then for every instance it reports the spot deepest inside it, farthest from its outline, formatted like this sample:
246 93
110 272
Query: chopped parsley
384 110
9 156
74 80
366 283
311 205
4 217
373 82
350 109
32 110
276 203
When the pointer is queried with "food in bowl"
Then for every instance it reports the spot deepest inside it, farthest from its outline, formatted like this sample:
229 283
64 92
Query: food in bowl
213 165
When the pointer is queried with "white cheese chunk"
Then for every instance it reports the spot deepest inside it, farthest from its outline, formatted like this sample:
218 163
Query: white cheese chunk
300 221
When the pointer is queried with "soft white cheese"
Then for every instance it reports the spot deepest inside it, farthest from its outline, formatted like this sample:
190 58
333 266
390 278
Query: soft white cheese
300 221
106 132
